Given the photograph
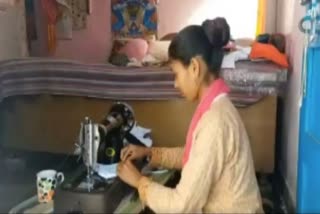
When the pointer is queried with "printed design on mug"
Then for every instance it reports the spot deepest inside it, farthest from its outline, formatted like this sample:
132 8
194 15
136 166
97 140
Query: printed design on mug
46 189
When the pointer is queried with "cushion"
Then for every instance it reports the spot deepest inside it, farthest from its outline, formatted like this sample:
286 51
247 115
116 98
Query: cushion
135 48
119 59
270 52
149 60
168 37
279 41
159 50
263 38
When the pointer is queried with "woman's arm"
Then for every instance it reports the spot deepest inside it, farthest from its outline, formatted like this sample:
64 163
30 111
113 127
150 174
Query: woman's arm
170 158
202 170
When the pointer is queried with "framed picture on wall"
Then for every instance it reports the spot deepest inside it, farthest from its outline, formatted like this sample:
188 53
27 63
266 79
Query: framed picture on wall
134 18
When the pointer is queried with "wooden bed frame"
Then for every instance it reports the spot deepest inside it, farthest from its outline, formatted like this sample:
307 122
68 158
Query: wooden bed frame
51 123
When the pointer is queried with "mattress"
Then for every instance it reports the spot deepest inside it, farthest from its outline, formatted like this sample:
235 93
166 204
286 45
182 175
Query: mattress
259 78
249 82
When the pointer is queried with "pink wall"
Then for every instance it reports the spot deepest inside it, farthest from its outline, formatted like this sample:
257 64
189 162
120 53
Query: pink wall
94 43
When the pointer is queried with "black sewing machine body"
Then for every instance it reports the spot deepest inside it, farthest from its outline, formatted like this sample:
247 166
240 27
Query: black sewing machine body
84 191
104 197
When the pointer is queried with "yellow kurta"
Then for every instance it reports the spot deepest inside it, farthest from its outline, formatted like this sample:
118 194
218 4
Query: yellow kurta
219 176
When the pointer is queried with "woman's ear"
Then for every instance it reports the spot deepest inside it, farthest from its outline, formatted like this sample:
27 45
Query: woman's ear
195 68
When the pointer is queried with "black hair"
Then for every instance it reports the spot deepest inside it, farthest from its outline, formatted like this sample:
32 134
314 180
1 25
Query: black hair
206 40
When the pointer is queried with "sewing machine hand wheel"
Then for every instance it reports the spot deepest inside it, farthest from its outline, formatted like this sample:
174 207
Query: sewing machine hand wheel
126 113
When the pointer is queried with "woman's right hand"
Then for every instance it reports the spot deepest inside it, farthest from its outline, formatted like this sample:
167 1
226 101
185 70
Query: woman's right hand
133 152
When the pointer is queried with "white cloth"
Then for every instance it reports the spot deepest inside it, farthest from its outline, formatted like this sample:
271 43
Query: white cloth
142 134
133 62
107 171
230 59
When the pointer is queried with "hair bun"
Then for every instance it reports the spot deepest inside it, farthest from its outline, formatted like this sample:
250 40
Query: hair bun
217 31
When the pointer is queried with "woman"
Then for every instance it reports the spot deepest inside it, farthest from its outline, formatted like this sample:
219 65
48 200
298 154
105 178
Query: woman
218 173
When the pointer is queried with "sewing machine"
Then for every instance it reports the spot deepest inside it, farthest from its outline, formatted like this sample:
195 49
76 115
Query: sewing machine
98 144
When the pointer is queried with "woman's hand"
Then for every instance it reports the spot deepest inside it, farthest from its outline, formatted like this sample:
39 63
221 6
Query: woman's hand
133 152
128 173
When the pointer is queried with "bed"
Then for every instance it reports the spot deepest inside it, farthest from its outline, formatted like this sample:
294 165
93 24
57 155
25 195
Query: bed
249 82
45 99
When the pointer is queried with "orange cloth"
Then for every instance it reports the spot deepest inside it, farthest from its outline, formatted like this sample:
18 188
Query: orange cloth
268 51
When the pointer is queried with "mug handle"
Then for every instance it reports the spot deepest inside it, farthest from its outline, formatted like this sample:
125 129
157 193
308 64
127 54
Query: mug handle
60 177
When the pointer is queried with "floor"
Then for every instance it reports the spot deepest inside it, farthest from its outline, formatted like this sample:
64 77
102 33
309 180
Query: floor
270 189
19 175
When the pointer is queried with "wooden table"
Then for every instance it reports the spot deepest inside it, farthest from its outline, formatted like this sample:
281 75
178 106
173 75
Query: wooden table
129 204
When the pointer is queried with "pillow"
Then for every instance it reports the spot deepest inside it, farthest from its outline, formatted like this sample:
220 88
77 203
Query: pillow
149 60
168 37
268 51
263 38
134 63
279 41
135 48
159 50
119 59
117 44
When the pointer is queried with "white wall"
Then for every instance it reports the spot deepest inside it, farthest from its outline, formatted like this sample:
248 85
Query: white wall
241 15
271 17
289 14
13 32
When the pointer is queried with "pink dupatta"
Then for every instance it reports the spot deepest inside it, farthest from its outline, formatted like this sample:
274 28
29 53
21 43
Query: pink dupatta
217 88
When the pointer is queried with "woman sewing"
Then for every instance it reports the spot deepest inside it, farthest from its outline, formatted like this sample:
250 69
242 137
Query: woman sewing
218 174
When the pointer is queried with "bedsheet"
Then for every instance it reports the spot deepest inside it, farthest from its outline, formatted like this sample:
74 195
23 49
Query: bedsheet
249 82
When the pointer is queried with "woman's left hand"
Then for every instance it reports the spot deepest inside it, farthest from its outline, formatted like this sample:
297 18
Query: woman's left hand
129 173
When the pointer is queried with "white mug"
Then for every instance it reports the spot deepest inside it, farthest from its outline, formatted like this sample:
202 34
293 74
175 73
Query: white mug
47 181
